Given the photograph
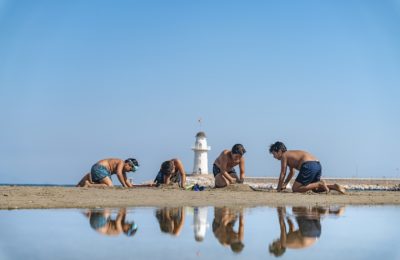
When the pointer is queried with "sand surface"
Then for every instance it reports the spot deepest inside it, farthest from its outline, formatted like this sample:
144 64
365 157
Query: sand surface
20 197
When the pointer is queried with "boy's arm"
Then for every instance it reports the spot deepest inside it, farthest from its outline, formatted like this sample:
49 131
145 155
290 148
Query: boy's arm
224 173
282 225
182 173
289 177
166 178
128 183
178 228
228 176
241 226
120 220
283 173
120 176
242 171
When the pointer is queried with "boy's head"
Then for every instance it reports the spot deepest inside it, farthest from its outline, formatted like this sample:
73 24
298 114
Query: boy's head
167 167
129 229
238 151
277 149
276 248
131 165
237 247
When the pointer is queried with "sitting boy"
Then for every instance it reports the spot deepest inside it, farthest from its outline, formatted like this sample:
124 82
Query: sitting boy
100 174
309 177
171 171
223 167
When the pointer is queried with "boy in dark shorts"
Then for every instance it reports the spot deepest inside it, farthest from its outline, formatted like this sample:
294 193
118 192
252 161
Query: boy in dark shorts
223 167
309 177
171 171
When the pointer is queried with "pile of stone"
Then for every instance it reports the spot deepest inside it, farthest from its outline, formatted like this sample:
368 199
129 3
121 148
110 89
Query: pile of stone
270 184
376 187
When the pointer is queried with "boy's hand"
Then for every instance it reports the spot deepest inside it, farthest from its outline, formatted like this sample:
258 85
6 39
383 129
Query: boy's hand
284 186
240 181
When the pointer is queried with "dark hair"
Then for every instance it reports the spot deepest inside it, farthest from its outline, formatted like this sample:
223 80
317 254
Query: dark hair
237 247
277 146
166 167
276 250
238 149
132 161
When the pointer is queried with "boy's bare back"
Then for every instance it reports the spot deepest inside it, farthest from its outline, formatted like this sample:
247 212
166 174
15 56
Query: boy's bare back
295 158
111 164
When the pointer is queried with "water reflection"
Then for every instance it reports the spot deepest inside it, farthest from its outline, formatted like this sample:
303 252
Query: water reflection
261 232
308 220
223 227
106 224
299 227
200 223
171 220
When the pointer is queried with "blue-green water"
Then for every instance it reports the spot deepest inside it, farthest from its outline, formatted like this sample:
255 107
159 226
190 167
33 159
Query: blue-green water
202 233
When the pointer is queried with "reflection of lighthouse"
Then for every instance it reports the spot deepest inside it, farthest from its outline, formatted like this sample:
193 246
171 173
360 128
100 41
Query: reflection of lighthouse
200 154
200 223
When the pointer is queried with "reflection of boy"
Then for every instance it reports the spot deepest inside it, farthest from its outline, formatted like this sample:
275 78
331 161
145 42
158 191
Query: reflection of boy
223 223
171 220
223 167
101 221
307 234
308 221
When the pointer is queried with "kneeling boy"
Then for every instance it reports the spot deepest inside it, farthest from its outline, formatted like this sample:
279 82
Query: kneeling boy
223 167
309 177
100 173
171 171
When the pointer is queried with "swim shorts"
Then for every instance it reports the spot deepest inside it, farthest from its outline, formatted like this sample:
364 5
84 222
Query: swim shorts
310 172
217 170
99 172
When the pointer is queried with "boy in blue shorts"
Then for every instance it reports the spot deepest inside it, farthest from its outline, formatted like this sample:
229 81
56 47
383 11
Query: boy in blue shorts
309 177
100 173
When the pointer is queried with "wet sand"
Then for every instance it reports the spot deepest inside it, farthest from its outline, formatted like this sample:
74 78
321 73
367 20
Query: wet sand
20 197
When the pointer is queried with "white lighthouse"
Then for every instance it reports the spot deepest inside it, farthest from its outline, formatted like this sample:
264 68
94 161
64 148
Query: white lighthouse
200 149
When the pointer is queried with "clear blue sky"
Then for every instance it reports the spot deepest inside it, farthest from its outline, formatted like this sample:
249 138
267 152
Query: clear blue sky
85 80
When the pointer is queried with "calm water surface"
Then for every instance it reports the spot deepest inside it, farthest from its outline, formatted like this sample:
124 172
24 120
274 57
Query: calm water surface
202 233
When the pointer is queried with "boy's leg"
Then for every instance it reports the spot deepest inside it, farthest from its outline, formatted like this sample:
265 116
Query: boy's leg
105 182
220 181
319 186
337 188
85 178
309 178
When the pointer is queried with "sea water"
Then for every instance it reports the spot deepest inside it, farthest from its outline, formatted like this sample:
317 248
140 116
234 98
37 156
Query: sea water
332 232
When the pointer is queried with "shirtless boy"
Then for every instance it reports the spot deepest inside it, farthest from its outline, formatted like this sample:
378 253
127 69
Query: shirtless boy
223 167
309 177
171 171
100 174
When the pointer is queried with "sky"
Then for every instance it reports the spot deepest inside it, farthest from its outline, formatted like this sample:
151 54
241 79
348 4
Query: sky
85 80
